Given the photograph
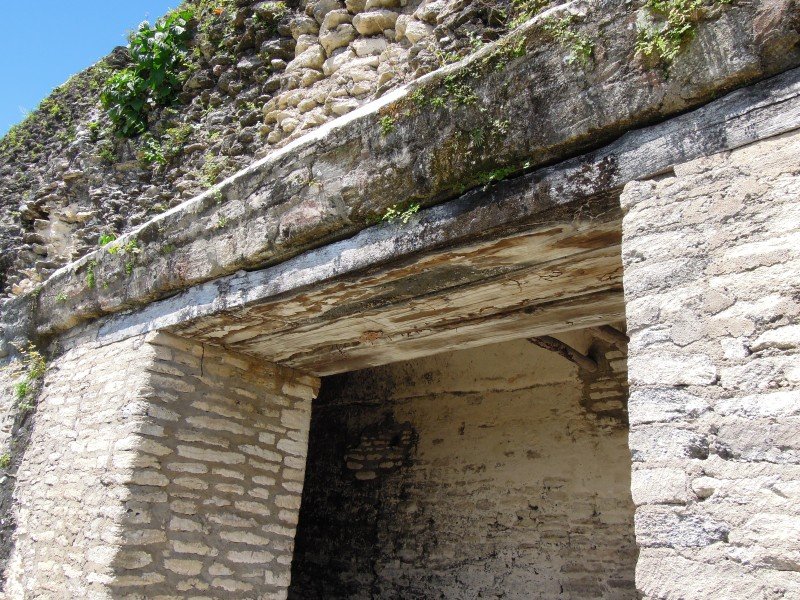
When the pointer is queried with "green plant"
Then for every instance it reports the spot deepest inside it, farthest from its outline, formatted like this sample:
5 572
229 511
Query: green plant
221 222
501 126
91 278
174 140
159 56
446 58
21 389
418 97
523 10
675 25
61 297
106 238
130 247
387 125
151 151
26 389
129 267
487 179
399 212
107 153
94 131
269 13
580 46
458 91
5 460
211 170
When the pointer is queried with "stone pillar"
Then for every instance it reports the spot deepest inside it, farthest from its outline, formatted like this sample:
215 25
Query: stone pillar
159 467
712 285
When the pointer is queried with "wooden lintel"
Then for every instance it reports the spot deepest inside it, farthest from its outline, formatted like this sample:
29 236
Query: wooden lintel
555 345
610 334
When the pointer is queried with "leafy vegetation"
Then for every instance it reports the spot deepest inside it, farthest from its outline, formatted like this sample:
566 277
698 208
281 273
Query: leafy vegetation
400 212
106 238
5 460
211 170
269 13
91 278
130 247
27 388
676 25
580 46
487 179
159 55
151 151
523 10
387 125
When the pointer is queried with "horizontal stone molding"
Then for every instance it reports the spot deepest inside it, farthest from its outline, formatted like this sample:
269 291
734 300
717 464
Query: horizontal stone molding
548 195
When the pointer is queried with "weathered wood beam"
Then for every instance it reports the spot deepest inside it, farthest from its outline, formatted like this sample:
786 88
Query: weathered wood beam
565 314
610 334
552 344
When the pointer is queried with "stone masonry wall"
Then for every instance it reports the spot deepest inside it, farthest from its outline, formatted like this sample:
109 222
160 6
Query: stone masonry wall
712 282
68 491
161 468
488 473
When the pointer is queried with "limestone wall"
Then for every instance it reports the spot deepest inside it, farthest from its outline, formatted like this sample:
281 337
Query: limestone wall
69 487
161 466
711 280
497 472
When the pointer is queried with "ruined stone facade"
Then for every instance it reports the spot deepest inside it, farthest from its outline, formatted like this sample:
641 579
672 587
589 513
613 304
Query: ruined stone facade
571 371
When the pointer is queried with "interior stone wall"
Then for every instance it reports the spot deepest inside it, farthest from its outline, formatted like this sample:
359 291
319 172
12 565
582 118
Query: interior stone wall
497 472
158 468
712 283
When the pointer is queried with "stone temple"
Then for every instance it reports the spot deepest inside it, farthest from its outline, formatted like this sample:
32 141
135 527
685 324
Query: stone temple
409 299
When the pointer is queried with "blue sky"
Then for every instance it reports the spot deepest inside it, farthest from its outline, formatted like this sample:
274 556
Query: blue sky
45 42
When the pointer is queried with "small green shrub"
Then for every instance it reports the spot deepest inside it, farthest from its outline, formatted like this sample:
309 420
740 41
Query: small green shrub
5 460
151 151
676 25
387 125
399 212
580 46
106 238
26 389
523 10
21 390
94 131
91 278
159 56
211 170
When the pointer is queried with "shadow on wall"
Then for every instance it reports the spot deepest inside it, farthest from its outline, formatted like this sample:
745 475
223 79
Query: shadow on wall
497 472
19 437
